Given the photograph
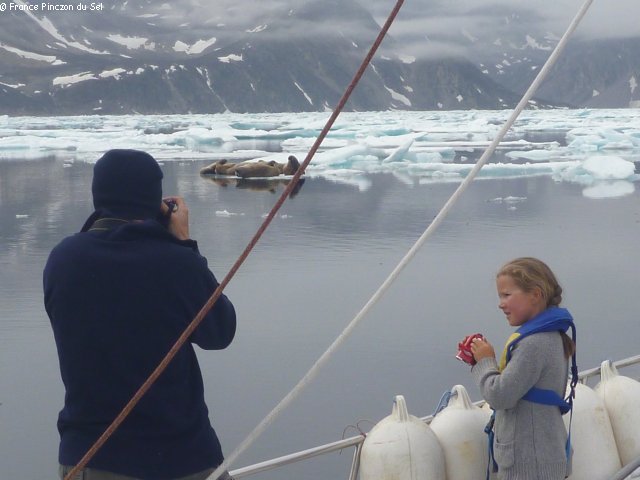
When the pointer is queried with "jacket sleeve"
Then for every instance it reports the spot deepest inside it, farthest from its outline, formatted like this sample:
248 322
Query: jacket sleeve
503 390
218 327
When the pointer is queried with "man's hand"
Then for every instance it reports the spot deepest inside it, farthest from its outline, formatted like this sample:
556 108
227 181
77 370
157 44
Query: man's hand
178 218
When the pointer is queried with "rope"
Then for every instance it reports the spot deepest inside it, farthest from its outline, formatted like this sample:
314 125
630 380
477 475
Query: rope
216 294
377 295
626 471
444 402
313 371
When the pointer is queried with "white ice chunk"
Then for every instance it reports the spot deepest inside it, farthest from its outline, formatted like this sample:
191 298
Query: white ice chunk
399 153
608 168
533 155
226 213
341 156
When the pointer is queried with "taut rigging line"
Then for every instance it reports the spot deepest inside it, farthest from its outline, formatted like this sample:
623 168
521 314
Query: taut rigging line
225 281
312 372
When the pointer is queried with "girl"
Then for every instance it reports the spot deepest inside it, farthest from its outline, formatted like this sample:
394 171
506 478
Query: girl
527 386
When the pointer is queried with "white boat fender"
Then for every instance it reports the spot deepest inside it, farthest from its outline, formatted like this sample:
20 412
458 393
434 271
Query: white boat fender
401 447
595 455
460 430
621 397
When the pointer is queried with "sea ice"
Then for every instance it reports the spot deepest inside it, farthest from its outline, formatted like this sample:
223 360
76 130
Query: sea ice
608 168
419 147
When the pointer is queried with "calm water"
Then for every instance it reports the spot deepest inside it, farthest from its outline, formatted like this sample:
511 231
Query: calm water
321 260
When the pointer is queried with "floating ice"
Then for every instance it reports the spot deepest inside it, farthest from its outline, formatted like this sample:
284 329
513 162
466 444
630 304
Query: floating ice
226 213
608 168
415 147
508 200
597 169
534 155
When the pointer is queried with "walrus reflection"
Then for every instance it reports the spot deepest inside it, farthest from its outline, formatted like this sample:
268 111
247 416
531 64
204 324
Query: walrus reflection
223 181
269 185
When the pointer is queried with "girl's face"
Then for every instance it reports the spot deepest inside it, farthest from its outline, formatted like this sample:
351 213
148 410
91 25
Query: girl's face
519 306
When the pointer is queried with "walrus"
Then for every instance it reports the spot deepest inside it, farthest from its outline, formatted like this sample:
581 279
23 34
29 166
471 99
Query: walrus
289 168
260 169
254 169
269 184
221 167
209 169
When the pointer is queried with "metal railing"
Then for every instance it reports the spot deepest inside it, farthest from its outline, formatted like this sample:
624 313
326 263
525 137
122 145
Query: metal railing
357 440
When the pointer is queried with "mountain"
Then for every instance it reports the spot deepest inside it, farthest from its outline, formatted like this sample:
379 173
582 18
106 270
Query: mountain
602 73
142 56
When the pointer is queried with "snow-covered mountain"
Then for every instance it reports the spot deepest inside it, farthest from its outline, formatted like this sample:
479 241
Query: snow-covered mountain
143 56
590 73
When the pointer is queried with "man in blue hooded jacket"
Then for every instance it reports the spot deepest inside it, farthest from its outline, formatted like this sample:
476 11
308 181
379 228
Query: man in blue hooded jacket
119 293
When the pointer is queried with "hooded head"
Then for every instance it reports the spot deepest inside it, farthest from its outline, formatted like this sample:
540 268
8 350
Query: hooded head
127 183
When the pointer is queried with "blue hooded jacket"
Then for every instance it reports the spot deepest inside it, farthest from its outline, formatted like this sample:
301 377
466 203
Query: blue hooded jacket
118 298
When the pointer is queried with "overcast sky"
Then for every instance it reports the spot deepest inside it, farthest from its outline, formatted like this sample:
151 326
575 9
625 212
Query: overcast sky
606 18
440 25
437 27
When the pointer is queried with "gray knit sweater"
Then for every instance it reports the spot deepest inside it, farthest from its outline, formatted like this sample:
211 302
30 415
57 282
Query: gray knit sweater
529 437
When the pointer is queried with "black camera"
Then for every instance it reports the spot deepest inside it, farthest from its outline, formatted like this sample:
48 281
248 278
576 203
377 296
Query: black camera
172 204
163 218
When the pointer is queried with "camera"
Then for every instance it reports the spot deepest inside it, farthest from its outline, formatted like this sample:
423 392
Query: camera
464 349
164 218
172 205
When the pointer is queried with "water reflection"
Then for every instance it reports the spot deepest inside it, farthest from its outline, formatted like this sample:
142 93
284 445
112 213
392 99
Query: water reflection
318 263
272 185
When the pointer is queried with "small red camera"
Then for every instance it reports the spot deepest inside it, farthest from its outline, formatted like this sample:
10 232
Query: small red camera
464 349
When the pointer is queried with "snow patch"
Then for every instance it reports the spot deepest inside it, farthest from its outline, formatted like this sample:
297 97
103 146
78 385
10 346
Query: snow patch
303 92
33 56
398 96
231 58
132 43
71 79
194 49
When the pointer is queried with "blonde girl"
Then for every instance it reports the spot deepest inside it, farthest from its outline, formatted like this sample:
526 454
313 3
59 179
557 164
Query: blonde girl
526 386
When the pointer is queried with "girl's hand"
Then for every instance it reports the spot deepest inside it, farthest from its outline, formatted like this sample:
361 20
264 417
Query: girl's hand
480 349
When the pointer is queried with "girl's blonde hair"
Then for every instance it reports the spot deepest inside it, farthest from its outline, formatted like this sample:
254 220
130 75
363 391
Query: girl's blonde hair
529 273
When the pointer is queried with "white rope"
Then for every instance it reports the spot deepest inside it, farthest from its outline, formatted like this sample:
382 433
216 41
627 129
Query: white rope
313 371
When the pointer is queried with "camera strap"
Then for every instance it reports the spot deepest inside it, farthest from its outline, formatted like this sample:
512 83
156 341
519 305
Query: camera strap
106 223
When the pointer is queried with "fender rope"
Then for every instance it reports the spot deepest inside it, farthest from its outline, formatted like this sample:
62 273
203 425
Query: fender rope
216 294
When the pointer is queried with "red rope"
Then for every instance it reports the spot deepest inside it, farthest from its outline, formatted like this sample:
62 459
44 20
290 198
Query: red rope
214 297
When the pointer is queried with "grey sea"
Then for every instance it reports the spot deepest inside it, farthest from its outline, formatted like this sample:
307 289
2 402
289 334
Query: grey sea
562 188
